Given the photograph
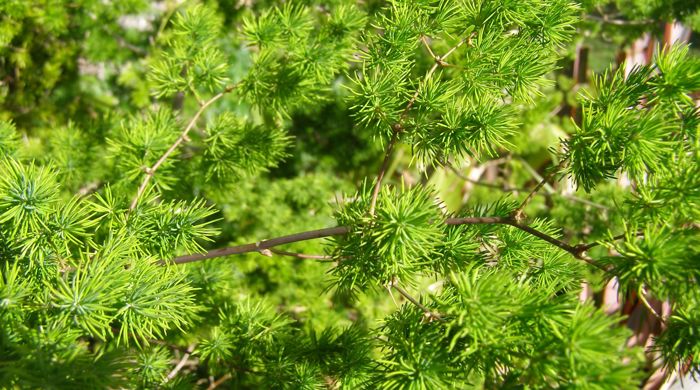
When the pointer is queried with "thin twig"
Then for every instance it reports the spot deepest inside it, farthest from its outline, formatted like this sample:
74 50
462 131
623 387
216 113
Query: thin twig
180 364
573 250
620 22
427 46
439 61
457 46
183 136
518 213
398 127
88 188
164 22
413 99
536 175
126 45
576 251
219 381
299 255
586 247
429 313
382 172
506 188
261 245
583 201
123 43
512 222
644 301
551 190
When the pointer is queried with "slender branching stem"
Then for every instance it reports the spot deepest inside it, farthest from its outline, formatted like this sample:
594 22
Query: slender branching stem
506 188
172 6
439 61
585 247
150 171
518 213
299 255
573 250
194 92
620 22
424 39
413 99
382 172
398 127
428 313
219 381
172 374
260 246
642 298
457 46
264 244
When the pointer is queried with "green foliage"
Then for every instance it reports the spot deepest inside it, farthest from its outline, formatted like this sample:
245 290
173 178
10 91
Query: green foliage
390 245
152 365
29 194
300 51
480 333
140 141
136 137
58 59
617 133
9 138
458 109
658 257
192 61
679 344
236 149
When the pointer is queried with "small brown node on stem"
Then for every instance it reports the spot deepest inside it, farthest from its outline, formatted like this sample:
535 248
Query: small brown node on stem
430 316
397 127
266 252
518 216
394 281
440 61
580 250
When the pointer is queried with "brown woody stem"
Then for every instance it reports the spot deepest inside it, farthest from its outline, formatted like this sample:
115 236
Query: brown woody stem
414 301
518 213
260 246
398 127
150 171
382 172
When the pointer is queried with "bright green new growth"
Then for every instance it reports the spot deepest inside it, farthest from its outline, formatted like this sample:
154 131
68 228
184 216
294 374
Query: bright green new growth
214 133
500 54
392 245
634 120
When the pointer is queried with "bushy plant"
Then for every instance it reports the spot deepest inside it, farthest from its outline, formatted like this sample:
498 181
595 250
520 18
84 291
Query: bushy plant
272 195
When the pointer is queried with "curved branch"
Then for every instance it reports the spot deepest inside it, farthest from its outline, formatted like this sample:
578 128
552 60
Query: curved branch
150 171
180 364
428 313
518 213
264 245
382 172
398 127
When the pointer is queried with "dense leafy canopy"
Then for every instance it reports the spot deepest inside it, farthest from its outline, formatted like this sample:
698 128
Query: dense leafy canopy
135 137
